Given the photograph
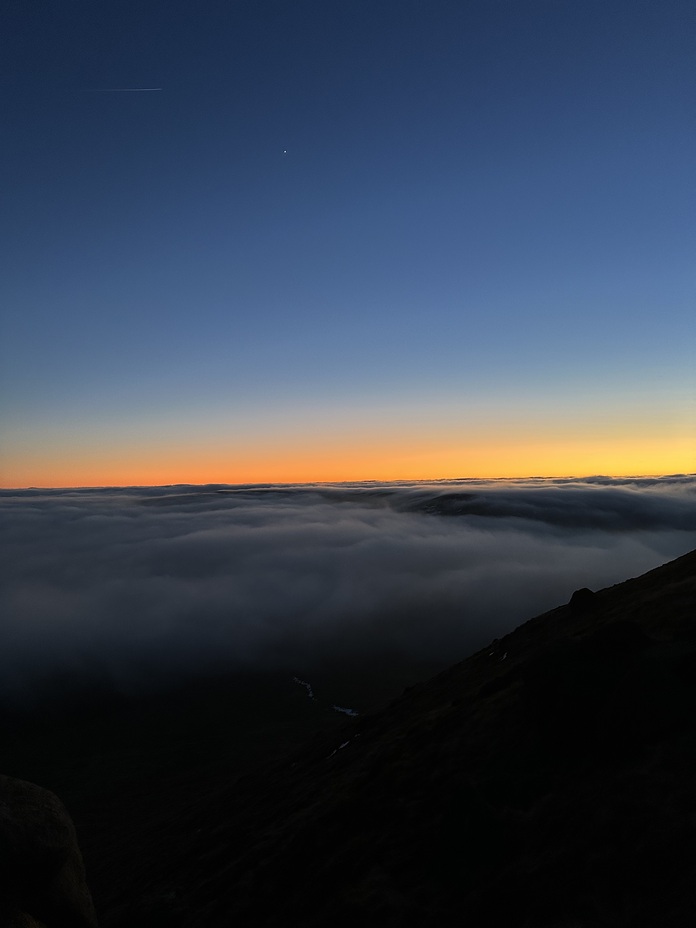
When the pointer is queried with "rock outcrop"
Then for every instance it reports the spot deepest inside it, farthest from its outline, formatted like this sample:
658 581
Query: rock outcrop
42 877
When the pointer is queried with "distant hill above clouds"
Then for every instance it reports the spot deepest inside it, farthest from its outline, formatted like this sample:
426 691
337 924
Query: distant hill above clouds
547 780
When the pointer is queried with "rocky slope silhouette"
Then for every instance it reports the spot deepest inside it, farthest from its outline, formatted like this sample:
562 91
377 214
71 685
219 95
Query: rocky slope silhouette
548 780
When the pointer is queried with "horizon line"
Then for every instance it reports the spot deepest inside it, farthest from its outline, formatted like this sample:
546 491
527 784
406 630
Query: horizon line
328 483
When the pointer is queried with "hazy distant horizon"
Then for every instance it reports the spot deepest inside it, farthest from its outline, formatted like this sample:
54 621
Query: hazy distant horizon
138 586
367 481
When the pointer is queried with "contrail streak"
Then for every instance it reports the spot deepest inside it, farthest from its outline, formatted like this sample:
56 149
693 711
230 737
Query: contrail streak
122 89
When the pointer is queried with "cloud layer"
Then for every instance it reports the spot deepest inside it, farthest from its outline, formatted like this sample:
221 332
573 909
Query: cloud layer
138 584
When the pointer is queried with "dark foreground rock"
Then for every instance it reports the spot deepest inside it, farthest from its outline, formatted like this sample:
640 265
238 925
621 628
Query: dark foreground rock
42 878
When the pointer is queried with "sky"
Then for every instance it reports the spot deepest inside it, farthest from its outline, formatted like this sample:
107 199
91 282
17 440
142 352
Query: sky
137 587
264 241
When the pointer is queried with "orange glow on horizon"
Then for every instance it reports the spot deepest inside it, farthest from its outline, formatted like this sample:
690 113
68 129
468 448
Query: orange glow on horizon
340 460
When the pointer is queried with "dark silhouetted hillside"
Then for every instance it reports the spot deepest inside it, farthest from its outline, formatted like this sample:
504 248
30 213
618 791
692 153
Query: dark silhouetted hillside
548 780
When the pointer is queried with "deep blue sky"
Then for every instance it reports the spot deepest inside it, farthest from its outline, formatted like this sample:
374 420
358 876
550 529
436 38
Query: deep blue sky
339 219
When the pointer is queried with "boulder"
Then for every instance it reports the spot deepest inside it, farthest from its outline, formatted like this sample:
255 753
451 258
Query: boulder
582 600
42 876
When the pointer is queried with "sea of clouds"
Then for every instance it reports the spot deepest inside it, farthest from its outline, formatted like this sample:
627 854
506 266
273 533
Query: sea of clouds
141 584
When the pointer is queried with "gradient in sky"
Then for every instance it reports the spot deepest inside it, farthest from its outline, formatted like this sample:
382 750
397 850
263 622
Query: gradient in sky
346 240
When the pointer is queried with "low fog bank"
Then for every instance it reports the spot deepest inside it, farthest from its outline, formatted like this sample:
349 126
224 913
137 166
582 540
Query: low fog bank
136 586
